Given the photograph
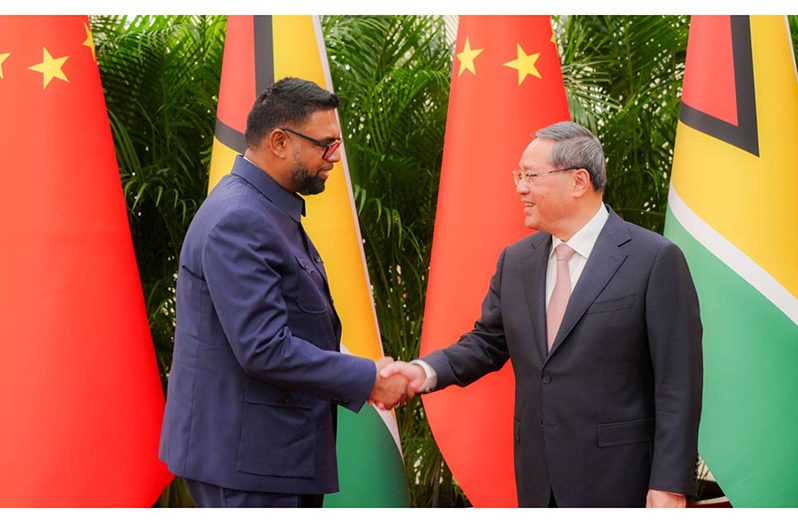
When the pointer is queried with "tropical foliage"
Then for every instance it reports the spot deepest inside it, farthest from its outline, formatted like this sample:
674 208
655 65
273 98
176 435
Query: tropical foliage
623 76
161 74
161 78
392 75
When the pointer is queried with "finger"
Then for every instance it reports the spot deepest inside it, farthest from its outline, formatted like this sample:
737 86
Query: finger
410 393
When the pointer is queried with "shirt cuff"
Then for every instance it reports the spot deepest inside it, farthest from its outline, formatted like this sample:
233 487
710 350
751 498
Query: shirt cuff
432 376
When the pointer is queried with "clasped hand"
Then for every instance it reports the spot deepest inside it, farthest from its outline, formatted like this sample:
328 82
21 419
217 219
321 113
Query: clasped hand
397 383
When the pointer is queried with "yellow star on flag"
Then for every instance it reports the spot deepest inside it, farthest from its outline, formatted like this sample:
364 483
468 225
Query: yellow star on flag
3 57
525 64
50 68
466 57
89 42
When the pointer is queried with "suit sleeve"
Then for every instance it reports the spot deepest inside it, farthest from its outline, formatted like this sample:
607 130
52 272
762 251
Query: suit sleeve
674 332
480 351
239 262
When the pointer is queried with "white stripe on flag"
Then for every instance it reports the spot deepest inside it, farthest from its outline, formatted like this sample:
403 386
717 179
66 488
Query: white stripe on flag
733 257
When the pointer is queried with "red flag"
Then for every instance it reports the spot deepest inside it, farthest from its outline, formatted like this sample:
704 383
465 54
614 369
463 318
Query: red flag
80 394
506 84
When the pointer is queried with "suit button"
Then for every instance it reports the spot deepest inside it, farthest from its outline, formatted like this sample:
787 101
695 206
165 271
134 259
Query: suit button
285 399
546 379
317 258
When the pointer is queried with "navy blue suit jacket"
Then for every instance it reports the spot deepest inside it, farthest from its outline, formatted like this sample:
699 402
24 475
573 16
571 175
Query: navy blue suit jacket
613 409
256 373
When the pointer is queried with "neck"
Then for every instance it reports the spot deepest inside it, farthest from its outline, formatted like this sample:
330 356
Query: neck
283 179
579 219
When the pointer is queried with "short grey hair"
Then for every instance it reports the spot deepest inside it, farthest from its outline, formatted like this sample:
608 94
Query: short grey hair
575 146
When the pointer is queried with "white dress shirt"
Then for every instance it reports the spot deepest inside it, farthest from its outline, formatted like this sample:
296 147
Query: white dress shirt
582 242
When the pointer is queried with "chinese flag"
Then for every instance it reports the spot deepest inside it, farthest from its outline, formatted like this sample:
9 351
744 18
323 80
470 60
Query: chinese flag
506 84
80 394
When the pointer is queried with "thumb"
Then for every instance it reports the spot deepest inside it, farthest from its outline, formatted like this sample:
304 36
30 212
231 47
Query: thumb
390 369
382 362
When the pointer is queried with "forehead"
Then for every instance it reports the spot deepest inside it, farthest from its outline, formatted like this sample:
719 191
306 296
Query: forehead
322 125
537 154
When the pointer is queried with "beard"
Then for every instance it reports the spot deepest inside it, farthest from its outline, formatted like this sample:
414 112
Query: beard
305 182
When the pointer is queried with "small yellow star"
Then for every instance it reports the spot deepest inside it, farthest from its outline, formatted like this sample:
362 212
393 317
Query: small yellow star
467 57
553 38
3 57
89 42
525 64
50 68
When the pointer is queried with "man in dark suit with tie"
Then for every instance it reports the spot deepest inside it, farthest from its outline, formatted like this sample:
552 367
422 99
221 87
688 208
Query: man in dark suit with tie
600 319
257 374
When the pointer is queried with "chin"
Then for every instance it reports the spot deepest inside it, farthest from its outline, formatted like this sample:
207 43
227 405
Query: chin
531 223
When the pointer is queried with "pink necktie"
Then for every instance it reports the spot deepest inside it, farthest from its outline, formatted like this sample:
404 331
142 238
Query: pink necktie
561 293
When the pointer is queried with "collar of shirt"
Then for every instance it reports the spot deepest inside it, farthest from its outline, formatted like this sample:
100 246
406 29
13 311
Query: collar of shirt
585 238
290 203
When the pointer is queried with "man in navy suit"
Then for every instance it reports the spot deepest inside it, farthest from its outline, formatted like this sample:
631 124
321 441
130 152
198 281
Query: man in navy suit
600 319
257 374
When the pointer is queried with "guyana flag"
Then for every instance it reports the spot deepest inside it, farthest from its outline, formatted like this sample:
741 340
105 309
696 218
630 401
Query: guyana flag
506 84
80 394
258 51
733 209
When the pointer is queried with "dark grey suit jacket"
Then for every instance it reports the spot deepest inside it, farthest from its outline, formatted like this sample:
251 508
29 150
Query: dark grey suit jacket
614 409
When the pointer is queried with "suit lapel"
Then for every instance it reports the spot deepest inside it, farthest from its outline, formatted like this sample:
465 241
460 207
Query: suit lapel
534 278
604 261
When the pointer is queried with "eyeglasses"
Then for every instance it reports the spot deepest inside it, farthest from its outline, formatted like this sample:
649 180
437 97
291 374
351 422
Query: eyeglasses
528 178
329 147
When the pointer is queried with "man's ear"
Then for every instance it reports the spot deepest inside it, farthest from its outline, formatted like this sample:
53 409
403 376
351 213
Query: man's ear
581 182
277 142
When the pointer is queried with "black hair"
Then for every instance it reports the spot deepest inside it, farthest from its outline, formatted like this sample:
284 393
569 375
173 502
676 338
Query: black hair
287 102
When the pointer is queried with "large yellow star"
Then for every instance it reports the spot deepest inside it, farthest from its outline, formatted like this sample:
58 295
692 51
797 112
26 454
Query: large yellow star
3 57
50 68
525 64
466 57
89 42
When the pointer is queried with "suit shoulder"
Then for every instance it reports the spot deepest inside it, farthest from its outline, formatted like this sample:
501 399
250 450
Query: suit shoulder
232 205
234 196
648 239
642 234
523 245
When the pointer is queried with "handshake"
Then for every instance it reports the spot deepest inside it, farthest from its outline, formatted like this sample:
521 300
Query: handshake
397 383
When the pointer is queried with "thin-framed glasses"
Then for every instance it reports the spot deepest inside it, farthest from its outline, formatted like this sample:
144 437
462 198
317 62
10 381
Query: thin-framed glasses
329 147
528 178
